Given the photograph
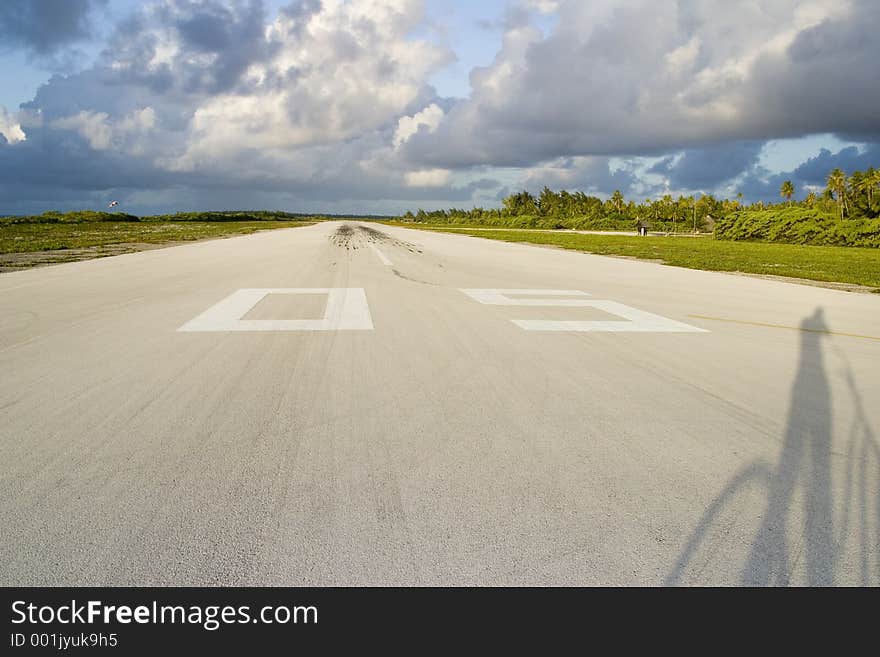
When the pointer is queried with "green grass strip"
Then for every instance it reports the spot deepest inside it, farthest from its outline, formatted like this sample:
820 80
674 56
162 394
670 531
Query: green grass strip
833 264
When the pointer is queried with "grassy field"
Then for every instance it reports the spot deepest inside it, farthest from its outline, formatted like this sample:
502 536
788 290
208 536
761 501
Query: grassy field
25 245
25 238
833 264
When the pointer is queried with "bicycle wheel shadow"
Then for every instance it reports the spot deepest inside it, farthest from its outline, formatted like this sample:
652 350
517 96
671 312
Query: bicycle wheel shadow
799 488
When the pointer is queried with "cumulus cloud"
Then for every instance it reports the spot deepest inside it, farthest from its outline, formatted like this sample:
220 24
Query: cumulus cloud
189 46
213 95
328 103
407 126
428 178
226 84
10 129
43 26
642 77
543 6
594 175
102 133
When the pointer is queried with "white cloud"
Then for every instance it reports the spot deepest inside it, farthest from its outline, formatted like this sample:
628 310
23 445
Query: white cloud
407 126
93 126
10 128
428 178
682 59
103 133
335 74
543 6
638 76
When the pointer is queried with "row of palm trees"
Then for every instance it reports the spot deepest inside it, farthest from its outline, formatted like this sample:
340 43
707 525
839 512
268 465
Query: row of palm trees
842 190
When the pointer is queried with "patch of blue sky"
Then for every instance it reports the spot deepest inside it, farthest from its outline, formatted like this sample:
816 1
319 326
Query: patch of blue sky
787 154
472 31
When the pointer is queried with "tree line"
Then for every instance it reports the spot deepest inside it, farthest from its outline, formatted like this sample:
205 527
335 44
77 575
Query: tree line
856 196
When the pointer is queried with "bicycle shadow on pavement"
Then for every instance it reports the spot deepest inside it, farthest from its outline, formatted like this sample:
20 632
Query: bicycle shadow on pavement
799 487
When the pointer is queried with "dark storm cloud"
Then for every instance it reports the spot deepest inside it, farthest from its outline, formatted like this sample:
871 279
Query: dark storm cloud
762 185
64 160
758 184
815 170
709 166
44 26
214 43
828 80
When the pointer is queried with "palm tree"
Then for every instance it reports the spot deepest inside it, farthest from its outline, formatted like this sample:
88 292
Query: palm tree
837 186
787 191
811 199
874 176
867 183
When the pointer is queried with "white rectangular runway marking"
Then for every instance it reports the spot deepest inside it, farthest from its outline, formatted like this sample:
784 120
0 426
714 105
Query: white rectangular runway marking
382 257
634 320
347 310
494 297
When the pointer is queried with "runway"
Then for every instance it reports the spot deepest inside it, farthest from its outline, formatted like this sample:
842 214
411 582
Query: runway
356 404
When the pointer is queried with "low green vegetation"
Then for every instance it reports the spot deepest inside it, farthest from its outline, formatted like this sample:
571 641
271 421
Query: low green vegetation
55 237
92 216
833 264
535 221
797 225
26 238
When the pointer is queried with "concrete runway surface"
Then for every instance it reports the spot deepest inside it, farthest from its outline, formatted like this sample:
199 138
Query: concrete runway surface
353 417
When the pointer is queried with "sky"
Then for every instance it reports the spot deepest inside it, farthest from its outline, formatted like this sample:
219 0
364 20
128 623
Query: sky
379 106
